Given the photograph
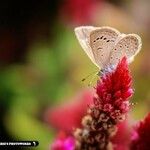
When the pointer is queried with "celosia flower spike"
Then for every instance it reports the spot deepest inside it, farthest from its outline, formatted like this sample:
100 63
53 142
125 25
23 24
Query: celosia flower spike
114 88
109 107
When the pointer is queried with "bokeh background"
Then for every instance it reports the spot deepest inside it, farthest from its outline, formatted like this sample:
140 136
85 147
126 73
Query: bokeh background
42 63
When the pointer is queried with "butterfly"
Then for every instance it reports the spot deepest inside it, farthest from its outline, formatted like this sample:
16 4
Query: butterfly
106 46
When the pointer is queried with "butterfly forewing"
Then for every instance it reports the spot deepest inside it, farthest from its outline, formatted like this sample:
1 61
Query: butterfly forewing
129 45
102 42
83 36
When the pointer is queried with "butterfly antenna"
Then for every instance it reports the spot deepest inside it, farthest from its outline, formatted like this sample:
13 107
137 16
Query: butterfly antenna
88 76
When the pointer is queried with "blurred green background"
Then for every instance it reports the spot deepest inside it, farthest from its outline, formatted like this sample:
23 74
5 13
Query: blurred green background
42 63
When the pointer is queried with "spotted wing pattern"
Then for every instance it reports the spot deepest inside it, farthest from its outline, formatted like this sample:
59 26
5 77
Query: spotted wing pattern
102 41
129 45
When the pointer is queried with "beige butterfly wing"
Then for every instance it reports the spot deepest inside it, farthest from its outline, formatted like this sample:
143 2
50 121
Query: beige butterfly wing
83 36
127 45
102 41
87 35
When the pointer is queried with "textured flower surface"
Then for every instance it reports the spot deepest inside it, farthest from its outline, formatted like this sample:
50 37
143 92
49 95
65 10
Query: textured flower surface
114 89
141 135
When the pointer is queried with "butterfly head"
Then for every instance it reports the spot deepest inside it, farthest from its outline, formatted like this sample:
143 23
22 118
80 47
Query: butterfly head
107 69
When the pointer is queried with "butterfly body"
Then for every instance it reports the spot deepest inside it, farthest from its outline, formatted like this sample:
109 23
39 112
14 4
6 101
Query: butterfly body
106 46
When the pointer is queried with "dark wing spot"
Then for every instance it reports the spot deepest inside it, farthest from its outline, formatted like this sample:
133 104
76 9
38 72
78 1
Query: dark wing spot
108 41
105 38
99 48
101 37
97 38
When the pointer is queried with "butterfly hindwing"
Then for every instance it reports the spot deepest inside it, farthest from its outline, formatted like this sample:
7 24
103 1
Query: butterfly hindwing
129 45
102 41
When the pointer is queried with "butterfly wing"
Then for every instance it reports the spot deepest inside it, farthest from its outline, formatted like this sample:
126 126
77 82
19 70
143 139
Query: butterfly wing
102 41
128 45
83 36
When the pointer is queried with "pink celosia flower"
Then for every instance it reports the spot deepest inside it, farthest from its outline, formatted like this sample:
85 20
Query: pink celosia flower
109 108
63 143
69 116
141 135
